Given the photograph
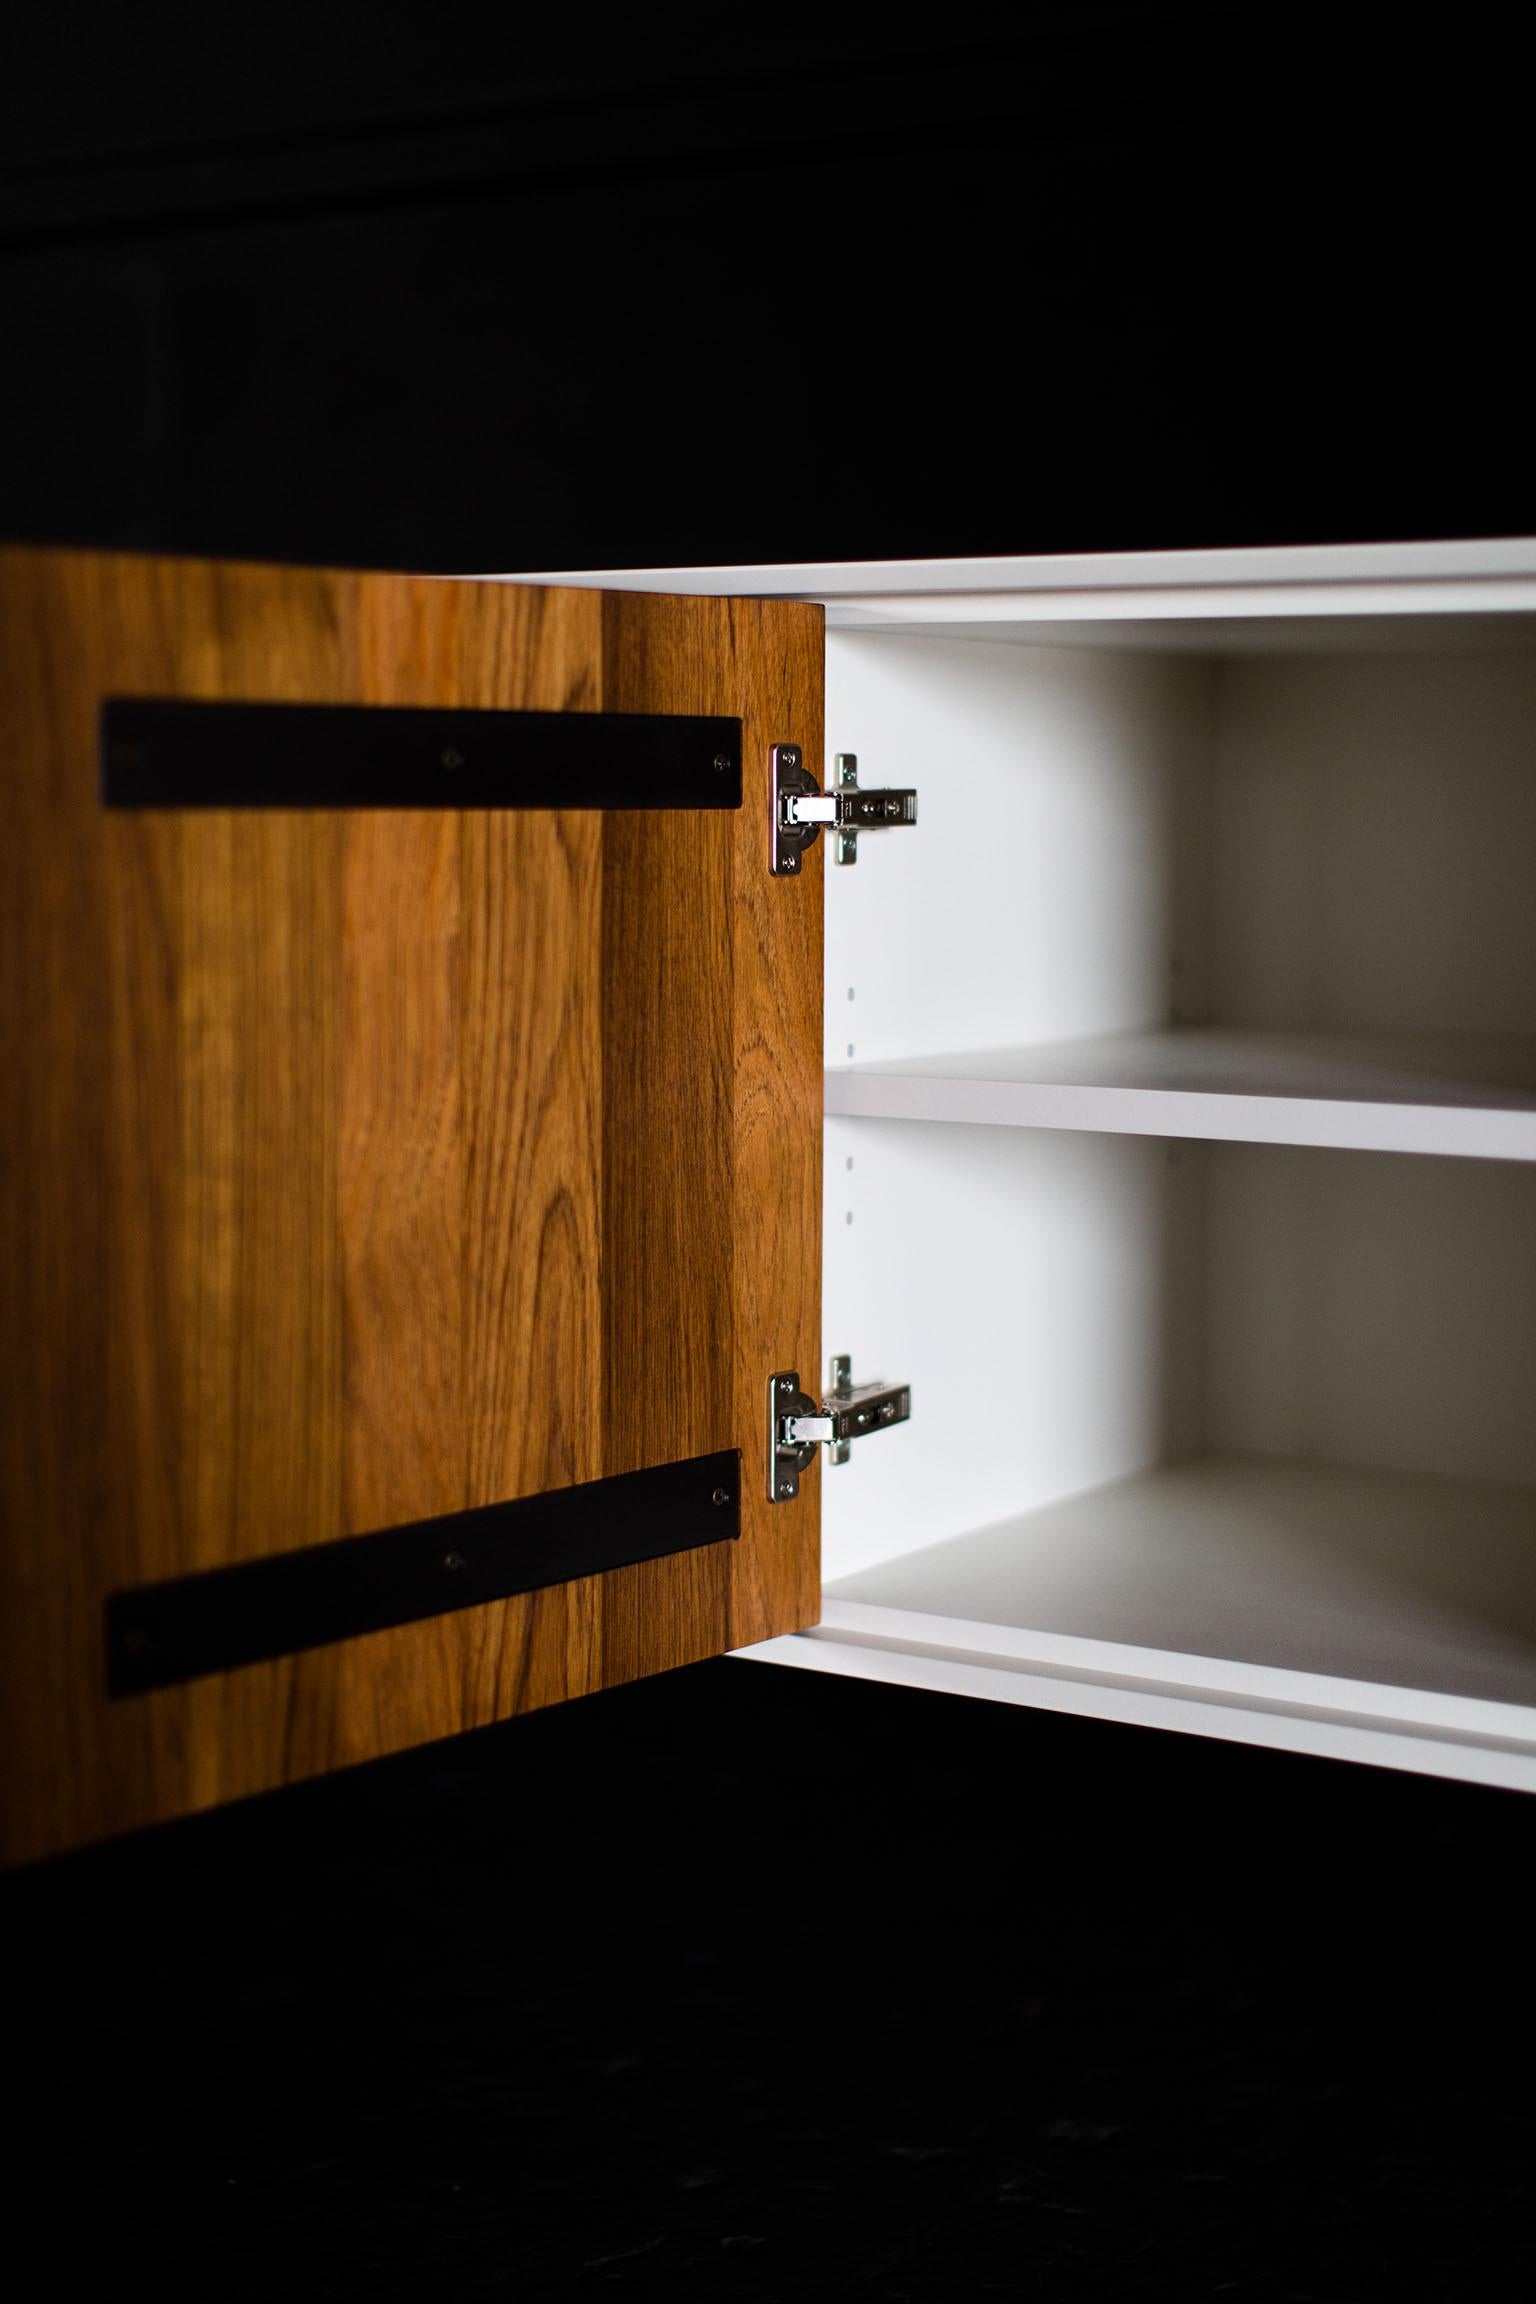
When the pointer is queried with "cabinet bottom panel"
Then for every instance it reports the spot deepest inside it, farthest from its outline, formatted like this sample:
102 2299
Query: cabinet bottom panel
1372 1616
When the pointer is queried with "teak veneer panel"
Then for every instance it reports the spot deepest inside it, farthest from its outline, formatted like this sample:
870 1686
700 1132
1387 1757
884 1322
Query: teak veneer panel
359 1167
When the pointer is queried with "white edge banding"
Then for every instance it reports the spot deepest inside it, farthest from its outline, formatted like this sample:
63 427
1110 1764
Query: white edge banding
1312 1730
1456 576
1474 1130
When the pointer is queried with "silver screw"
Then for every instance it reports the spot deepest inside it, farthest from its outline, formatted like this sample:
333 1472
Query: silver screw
722 761
722 1496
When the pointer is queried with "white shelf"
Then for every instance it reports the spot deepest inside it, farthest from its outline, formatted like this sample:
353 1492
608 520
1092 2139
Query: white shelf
1366 1614
1466 1097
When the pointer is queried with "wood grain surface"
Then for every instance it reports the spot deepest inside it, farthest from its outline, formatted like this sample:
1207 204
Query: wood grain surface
361 1167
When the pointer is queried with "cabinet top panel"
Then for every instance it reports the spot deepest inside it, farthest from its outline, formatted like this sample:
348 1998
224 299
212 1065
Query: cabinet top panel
1274 597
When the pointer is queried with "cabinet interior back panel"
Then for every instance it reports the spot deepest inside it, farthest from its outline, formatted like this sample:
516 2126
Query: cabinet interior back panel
1373 852
1371 1311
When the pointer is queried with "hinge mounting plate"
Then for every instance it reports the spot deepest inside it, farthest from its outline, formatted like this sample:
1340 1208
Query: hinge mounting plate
797 1426
799 808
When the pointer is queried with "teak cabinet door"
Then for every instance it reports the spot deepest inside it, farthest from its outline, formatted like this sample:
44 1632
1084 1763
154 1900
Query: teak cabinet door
369 1165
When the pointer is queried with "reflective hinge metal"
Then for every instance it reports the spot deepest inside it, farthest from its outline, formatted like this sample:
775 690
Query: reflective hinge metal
800 808
797 1427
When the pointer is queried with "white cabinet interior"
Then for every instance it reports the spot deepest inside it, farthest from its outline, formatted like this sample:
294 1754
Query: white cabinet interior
1225 1410
1181 1142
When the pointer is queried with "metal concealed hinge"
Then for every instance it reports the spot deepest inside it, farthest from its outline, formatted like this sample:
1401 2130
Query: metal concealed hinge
797 1427
800 808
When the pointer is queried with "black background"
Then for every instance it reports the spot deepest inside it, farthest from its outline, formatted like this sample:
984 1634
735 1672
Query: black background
744 1982
750 1983
458 289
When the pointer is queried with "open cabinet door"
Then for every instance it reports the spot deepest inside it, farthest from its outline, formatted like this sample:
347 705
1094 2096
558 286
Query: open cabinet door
384 1143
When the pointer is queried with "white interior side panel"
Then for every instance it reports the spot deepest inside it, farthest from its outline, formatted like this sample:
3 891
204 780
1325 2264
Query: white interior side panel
1041 1293
1059 852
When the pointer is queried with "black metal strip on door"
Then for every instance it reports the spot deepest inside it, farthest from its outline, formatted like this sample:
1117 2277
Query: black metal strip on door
181 752
159 1635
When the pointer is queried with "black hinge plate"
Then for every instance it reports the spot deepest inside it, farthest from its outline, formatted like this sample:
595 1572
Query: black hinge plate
180 752
161 1634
